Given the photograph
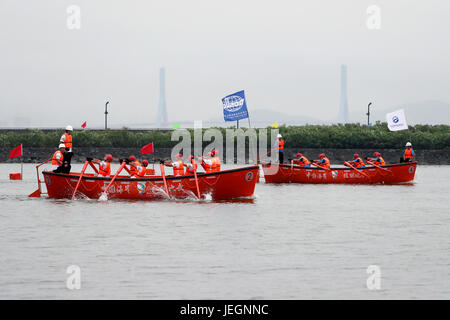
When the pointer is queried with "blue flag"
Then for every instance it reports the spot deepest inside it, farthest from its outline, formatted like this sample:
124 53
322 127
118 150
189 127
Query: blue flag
235 106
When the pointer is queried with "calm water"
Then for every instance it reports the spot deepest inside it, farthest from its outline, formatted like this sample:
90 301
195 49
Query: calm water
289 242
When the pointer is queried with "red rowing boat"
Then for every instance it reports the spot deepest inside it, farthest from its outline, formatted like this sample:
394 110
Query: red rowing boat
388 174
222 185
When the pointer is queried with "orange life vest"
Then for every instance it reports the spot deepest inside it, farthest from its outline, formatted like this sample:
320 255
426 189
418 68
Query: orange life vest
208 167
55 160
178 168
191 168
409 153
140 173
380 161
215 164
358 164
105 171
133 170
326 163
303 161
280 144
68 140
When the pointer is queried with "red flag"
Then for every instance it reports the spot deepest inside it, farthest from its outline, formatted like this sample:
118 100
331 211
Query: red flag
16 152
83 125
147 148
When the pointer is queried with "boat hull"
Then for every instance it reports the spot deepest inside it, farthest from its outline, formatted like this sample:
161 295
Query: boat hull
388 174
223 185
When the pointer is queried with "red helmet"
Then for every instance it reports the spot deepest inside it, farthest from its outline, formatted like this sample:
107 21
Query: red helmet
109 158
215 152
132 158
322 155
210 154
180 155
355 156
145 163
377 154
191 157
299 155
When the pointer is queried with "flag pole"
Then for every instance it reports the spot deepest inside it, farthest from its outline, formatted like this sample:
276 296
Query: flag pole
21 169
237 124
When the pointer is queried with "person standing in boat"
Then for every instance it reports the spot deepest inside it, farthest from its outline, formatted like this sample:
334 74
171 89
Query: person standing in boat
177 165
66 139
302 161
191 167
378 160
409 154
279 145
357 162
140 169
323 161
58 159
104 166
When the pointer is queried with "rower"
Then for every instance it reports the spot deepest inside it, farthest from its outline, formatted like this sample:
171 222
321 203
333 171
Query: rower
357 161
207 162
177 165
133 163
215 160
191 167
140 169
279 145
409 154
66 139
302 161
58 158
104 166
323 161
378 160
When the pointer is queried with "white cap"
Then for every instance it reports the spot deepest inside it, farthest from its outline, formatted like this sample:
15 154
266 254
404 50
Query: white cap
62 145
279 136
69 128
408 144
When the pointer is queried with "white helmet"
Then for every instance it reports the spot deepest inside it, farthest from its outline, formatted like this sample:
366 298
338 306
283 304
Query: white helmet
62 145
69 128
279 136
408 144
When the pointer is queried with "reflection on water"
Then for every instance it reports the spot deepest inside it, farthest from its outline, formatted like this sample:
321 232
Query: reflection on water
288 241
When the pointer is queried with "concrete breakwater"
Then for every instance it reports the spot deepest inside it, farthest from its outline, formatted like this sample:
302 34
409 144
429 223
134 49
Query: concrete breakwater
337 156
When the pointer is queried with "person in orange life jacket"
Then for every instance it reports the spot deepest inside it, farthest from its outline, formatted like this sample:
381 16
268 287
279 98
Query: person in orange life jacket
177 165
191 167
378 160
207 162
357 162
141 169
323 161
215 160
130 161
409 154
58 159
302 161
279 145
66 139
104 166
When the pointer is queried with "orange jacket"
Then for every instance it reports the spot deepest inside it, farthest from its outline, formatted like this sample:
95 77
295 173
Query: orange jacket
68 140
358 162
325 163
178 168
208 166
379 161
409 153
140 171
55 160
280 144
133 170
302 161
216 164
105 171
191 168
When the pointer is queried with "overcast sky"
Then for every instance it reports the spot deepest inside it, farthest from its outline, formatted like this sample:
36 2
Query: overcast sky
285 54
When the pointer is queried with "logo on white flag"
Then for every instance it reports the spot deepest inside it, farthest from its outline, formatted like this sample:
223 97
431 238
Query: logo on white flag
397 120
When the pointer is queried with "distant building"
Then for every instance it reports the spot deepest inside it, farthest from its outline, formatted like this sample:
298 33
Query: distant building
161 119
343 107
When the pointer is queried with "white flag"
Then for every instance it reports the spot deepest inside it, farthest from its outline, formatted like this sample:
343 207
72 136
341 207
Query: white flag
397 120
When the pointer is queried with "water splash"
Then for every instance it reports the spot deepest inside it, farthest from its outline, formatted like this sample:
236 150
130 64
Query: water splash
103 197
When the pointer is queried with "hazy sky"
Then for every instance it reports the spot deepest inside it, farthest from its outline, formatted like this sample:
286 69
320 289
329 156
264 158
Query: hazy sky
285 54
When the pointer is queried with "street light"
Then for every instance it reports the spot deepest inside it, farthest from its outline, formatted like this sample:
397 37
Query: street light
368 113
106 115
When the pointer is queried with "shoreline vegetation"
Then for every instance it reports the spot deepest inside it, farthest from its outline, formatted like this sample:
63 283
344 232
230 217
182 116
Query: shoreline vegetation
347 136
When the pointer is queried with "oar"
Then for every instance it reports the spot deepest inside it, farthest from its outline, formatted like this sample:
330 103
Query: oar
375 165
79 179
315 164
163 174
349 165
196 179
114 178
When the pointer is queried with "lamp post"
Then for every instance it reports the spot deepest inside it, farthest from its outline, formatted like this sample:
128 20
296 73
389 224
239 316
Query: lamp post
106 115
368 113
